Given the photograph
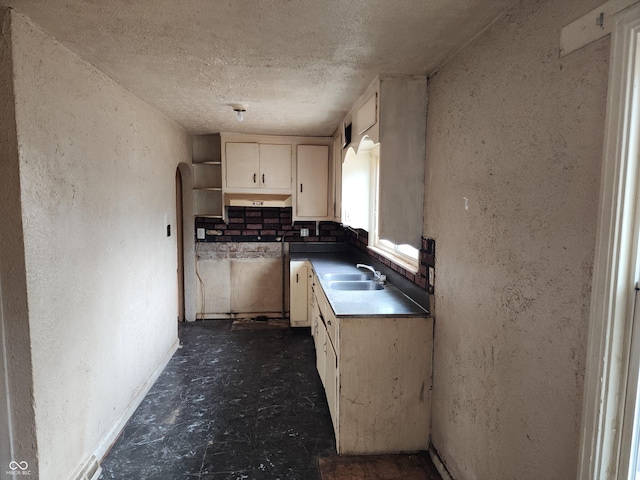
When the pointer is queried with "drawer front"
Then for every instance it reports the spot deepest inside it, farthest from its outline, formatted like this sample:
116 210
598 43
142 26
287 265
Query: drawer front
332 328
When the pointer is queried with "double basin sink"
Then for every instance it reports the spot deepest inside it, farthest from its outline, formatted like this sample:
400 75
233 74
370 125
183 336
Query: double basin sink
351 281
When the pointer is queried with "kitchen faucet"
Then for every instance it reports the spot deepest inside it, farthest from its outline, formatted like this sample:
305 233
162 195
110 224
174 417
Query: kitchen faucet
377 276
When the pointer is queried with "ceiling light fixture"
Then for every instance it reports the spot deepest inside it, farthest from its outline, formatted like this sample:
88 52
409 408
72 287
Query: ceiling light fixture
239 109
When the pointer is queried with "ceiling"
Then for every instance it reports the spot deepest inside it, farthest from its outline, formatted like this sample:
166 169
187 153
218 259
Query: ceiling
297 65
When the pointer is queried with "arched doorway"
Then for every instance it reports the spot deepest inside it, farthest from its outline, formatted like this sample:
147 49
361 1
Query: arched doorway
180 245
185 239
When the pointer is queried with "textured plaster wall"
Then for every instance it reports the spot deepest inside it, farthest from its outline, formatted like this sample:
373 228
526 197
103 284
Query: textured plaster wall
97 174
514 148
17 427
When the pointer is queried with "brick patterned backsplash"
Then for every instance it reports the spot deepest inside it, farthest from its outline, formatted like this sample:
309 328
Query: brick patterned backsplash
266 224
426 258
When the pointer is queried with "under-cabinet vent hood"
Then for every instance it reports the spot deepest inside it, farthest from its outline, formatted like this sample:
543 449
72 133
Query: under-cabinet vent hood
257 200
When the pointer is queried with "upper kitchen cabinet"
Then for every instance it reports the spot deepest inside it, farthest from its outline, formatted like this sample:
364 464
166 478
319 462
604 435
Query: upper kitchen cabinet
257 166
275 166
207 176
267 171
312 186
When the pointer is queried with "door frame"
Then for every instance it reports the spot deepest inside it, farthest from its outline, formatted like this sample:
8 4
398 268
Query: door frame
180 245
7 452
188 241
605 440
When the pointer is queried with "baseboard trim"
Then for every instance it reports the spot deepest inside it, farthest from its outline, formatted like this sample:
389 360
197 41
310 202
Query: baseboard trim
439 464
238 315
90 468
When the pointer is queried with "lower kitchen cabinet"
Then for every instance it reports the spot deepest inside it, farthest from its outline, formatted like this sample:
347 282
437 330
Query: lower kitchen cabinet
384 384
376 372
299 305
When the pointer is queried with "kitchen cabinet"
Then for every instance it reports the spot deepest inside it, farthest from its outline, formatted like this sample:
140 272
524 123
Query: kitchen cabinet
299 288
258 166
326 357
207 176
376 372
262 170
384 379
312 186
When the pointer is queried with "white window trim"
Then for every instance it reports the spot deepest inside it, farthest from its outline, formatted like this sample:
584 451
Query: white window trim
605 443
397 258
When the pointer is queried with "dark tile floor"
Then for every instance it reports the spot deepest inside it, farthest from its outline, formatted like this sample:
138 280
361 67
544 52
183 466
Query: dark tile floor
230 405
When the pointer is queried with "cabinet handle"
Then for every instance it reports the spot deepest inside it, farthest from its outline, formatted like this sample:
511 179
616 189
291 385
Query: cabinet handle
254 178
300 188
263 178
297 278
329 322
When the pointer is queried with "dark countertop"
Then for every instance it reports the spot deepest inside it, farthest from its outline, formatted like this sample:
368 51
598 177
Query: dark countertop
389 302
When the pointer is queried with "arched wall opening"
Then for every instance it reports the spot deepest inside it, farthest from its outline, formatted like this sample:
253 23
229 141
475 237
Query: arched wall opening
187 225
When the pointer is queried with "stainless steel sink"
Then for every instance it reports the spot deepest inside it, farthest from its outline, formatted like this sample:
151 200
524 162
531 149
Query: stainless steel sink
345 277
355 285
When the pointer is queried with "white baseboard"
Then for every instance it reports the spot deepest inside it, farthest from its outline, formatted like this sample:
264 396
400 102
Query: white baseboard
90 468
238 315
437 462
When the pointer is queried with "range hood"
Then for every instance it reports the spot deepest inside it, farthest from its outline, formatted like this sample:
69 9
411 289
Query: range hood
257 200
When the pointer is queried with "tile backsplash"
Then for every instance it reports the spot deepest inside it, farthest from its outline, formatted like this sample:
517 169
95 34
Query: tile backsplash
359 239
266 224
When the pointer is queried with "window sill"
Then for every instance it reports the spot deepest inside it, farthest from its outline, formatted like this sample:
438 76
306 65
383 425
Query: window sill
400 261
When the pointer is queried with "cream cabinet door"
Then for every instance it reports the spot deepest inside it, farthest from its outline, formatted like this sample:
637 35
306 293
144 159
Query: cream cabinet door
312 181
321 350
242 164
275 166
331 382
299 294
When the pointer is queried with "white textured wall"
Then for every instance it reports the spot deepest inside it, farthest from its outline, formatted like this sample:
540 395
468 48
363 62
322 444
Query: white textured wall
17 428
517 134
97 171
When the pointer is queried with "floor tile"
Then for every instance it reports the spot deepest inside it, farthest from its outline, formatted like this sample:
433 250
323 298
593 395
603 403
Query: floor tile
231 404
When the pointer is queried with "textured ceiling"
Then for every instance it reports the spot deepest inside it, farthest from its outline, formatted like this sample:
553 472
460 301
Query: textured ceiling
298 65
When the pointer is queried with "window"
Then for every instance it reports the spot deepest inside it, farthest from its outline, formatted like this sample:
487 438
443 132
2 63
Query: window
360 187
402 254
356 189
